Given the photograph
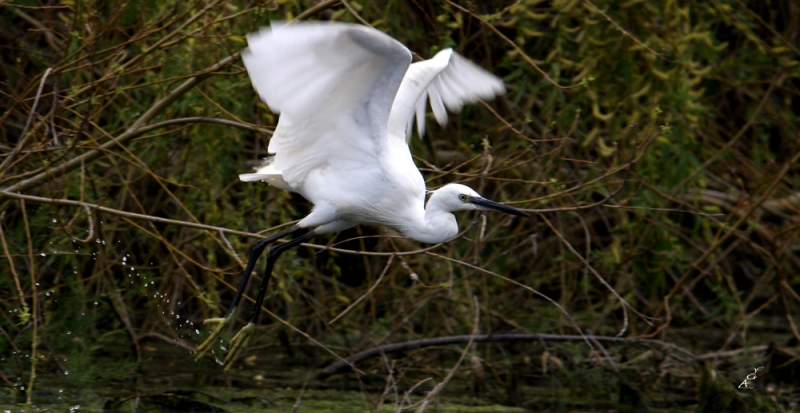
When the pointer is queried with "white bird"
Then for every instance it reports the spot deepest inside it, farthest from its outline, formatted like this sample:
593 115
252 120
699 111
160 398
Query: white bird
347 96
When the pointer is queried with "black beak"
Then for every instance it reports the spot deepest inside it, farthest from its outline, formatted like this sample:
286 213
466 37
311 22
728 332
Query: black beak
494 206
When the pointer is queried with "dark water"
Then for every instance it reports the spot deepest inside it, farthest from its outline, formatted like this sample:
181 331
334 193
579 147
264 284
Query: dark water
269 379
171 381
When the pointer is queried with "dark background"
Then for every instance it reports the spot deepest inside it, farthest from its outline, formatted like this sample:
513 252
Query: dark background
654 142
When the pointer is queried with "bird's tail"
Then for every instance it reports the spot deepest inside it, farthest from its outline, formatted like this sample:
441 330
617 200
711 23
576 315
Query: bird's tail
267 173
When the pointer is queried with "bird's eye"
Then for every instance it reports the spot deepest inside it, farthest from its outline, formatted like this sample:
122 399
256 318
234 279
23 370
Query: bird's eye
463 197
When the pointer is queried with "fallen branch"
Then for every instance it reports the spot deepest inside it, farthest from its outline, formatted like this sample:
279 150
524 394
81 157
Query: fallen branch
341 366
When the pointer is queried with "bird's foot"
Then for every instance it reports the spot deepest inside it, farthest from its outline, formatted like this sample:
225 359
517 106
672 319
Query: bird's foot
220 324
238 342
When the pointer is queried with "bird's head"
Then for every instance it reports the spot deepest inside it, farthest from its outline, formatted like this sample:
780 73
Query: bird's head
457 197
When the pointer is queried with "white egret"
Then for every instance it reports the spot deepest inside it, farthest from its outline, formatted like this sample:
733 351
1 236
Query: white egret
347 96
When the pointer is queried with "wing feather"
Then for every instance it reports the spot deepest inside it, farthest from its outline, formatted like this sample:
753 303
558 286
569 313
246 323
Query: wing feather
333 85
448 80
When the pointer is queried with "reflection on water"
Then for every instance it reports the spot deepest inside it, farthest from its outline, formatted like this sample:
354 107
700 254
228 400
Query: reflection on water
171 381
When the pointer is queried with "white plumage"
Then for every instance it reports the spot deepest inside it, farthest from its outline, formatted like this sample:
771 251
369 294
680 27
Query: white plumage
347 97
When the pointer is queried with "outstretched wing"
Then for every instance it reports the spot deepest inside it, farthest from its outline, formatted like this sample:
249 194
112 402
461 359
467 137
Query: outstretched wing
333 85
449 80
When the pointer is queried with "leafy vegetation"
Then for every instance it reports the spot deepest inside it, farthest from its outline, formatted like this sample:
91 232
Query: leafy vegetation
656 143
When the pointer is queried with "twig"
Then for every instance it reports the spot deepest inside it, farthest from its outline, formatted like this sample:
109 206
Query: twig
411 390
624 167
231 250
300 396
23 137
132 132
202 119
34 302
354 13
550 300
771 29
607 356
8 382
623 31
317 8
514 45
158 44
11 264
731 353
685 211
390 384
724 233
119 307
624 303
48 32
171 340
505 122
735 138
308 337
90 219
439 387
366 294
133 215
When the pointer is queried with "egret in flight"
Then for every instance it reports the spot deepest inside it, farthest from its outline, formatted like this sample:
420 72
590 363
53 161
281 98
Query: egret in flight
347 96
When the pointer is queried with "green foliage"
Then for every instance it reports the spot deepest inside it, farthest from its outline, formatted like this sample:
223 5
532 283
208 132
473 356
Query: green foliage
657 141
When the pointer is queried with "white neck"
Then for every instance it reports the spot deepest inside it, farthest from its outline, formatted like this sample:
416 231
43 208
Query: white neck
433 225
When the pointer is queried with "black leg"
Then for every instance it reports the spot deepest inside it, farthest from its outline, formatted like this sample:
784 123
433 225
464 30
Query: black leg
240 340
258 248
272 256
220 323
